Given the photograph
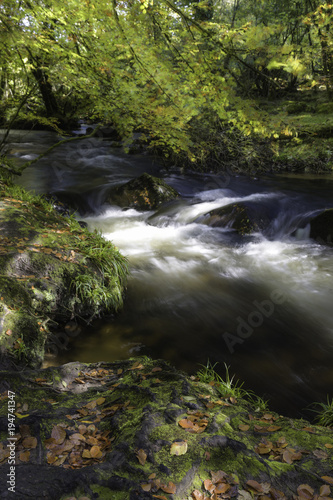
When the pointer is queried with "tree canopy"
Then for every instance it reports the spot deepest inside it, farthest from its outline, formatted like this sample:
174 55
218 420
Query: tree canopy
177 72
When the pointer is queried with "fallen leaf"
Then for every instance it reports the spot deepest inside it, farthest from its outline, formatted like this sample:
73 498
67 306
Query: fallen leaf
24 456
287 457
325 490
185 424
305 491
254 485
141 456
320 454
146 486
222 488
29 442
96 452
218 477
328 479
209 486
243 427
171 488
58 434
273 428
328 445
178 448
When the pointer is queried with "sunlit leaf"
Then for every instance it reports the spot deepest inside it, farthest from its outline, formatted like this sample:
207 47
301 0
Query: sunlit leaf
178 448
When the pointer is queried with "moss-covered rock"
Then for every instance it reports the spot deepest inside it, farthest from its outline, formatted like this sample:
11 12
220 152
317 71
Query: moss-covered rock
106 430
244 217
51 271
321 227
145 192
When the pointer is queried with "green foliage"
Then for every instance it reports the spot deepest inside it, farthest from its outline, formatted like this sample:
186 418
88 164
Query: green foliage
324 413
227 387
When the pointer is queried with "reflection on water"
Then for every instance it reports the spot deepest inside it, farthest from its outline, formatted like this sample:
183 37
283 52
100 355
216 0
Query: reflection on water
193 288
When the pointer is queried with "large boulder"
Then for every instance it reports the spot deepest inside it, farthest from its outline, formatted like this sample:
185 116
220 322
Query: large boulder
144 192
321 227
50 273
245 217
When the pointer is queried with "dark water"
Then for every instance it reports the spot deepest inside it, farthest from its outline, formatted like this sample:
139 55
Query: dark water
192 287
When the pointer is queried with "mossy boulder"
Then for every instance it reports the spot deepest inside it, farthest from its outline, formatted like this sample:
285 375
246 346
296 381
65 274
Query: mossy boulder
145 192
244 217
108 430
321 227
50 273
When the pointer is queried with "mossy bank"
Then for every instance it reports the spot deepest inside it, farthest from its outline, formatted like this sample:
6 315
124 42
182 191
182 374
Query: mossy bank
51 271
140 429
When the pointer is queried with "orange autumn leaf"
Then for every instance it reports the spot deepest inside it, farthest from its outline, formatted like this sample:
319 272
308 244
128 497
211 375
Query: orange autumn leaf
325 490
141 456
24 456
273 428
222 488
185 423
178 448
328 479
254 485
197 495
58 434
209 486
96 452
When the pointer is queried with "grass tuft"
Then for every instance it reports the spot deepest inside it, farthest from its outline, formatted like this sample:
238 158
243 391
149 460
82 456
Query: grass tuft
324 413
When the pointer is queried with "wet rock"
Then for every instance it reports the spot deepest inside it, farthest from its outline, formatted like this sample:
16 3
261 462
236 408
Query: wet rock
321 227
144 192
244 217
46 269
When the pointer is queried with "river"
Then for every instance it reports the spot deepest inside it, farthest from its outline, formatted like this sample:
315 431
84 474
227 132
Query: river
193 287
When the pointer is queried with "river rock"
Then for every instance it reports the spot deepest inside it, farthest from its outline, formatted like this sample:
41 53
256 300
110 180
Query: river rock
139 429
321 227
145 192
48 275
244 217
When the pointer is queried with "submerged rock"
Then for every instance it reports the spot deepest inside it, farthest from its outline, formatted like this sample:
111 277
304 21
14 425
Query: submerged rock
321 227
245 217
145 192
140 429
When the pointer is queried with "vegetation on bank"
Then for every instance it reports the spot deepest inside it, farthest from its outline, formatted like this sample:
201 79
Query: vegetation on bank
52 271
208 84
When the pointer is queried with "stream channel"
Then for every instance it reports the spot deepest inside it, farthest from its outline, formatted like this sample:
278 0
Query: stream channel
191 285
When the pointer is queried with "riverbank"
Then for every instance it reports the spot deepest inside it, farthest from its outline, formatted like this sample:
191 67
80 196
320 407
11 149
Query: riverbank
140 429
52 271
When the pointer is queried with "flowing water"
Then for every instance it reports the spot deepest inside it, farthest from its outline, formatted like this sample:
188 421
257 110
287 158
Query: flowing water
261 303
